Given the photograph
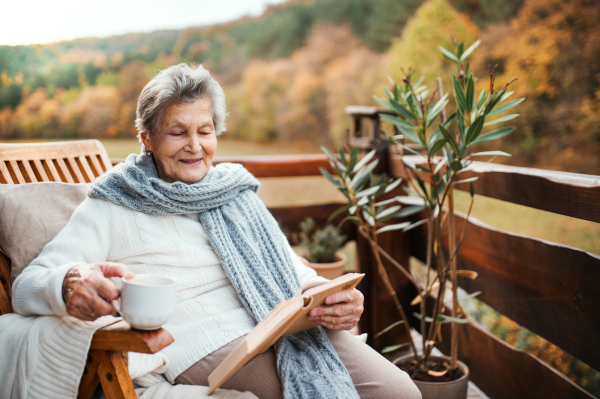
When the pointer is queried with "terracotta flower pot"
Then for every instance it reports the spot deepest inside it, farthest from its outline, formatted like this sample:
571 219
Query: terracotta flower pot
331 270
456 389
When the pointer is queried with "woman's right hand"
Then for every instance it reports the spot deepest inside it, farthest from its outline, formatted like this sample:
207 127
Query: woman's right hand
88 292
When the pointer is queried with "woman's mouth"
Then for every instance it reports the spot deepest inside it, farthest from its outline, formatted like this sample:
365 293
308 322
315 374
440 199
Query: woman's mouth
192 162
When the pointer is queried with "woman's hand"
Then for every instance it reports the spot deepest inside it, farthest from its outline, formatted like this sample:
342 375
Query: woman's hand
341 311
88 292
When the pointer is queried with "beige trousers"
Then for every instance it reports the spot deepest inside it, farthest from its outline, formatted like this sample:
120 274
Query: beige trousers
373 376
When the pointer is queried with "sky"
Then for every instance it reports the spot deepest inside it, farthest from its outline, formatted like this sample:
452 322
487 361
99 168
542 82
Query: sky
43 21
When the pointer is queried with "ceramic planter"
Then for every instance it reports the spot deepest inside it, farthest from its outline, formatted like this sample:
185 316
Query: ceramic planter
331 270
456 389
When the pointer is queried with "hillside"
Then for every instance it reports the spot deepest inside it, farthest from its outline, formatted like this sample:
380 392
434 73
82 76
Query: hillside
288 73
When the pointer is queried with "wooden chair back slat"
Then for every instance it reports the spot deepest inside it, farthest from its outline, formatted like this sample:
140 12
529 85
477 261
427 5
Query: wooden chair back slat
15 172
50 170
68 162
5 177
39 170
74 169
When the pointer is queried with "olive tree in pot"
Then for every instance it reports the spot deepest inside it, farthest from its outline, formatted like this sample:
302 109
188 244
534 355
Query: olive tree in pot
448 151
322 248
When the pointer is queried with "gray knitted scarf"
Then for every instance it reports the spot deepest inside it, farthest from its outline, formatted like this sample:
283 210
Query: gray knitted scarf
252 250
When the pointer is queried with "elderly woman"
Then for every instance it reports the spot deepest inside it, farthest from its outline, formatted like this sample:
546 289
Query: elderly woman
169 212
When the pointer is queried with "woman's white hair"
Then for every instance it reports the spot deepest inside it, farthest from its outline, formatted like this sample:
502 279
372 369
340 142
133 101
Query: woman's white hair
178 84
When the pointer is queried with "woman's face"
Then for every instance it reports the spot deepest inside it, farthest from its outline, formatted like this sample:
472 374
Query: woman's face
184 143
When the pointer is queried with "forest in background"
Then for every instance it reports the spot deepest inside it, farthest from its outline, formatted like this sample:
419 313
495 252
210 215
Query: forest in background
289 73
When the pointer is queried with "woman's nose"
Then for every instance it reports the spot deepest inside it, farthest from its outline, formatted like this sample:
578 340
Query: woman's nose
193 144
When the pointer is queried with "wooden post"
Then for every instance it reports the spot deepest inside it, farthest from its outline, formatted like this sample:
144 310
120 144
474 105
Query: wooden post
114 376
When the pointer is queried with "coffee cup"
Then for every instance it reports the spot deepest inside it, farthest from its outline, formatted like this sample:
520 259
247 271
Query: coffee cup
147 302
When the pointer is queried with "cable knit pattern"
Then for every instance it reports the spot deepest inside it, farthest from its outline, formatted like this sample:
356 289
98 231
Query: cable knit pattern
252 250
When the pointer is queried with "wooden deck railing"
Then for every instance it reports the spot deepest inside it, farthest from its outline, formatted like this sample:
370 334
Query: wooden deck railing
551 289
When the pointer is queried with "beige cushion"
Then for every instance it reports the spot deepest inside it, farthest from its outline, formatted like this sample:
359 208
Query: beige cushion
31 215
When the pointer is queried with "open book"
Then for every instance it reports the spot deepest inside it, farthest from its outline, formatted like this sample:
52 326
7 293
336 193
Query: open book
287 318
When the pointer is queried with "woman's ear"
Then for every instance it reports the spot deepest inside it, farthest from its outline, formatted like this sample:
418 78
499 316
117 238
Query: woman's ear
146 141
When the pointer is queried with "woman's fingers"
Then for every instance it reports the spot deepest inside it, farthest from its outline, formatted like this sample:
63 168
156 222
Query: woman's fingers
111 269
341 312
87 291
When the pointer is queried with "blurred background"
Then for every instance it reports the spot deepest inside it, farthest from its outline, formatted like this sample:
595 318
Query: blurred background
74 70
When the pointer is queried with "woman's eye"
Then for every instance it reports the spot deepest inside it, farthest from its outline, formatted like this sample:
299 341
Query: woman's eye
176 133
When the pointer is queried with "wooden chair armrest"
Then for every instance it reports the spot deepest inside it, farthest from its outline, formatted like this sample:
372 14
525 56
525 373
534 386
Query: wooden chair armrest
121 337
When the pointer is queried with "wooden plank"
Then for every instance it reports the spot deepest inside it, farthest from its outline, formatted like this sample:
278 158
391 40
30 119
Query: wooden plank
504 372
63 170
84 168
569 194
4 266
95 165
549 288
74 170
290 218
31 177
5 305
121 337
90 379
39 170
60 149
280 165
50 169
5 177
15 172
114 376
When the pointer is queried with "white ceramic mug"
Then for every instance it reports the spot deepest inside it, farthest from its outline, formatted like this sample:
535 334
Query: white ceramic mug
147 302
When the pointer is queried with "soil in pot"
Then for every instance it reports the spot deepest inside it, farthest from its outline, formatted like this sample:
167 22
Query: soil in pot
434 364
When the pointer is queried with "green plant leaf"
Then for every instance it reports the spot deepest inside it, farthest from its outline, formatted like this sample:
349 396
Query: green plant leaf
461 100
393 227
330 178
503 119
401 110
367 191
448 54
470 296
383 103
474 130
389 211
410 210
471 190
448 319
392 348
408 163
392 185
506 106
468 52
338 212
364 160
388 328
449 137
405 127
438 145
493 135
411 200
470 94
363 174
329 154
491 153
482 98
416 224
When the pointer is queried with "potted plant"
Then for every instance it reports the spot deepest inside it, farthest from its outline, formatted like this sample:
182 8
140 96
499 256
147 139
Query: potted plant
322 246
448 151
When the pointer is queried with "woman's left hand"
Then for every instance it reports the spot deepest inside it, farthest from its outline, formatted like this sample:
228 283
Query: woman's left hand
341 311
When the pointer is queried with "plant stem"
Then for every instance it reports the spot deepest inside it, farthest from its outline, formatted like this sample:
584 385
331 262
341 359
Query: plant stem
388 285
452 247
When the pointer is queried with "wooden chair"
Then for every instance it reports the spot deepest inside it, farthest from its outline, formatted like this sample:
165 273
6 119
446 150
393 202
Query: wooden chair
79 162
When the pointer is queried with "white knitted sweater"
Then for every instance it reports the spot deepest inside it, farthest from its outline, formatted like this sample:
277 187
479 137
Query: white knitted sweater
208 313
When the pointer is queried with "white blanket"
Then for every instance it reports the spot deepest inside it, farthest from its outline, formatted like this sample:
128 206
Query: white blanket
44 357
